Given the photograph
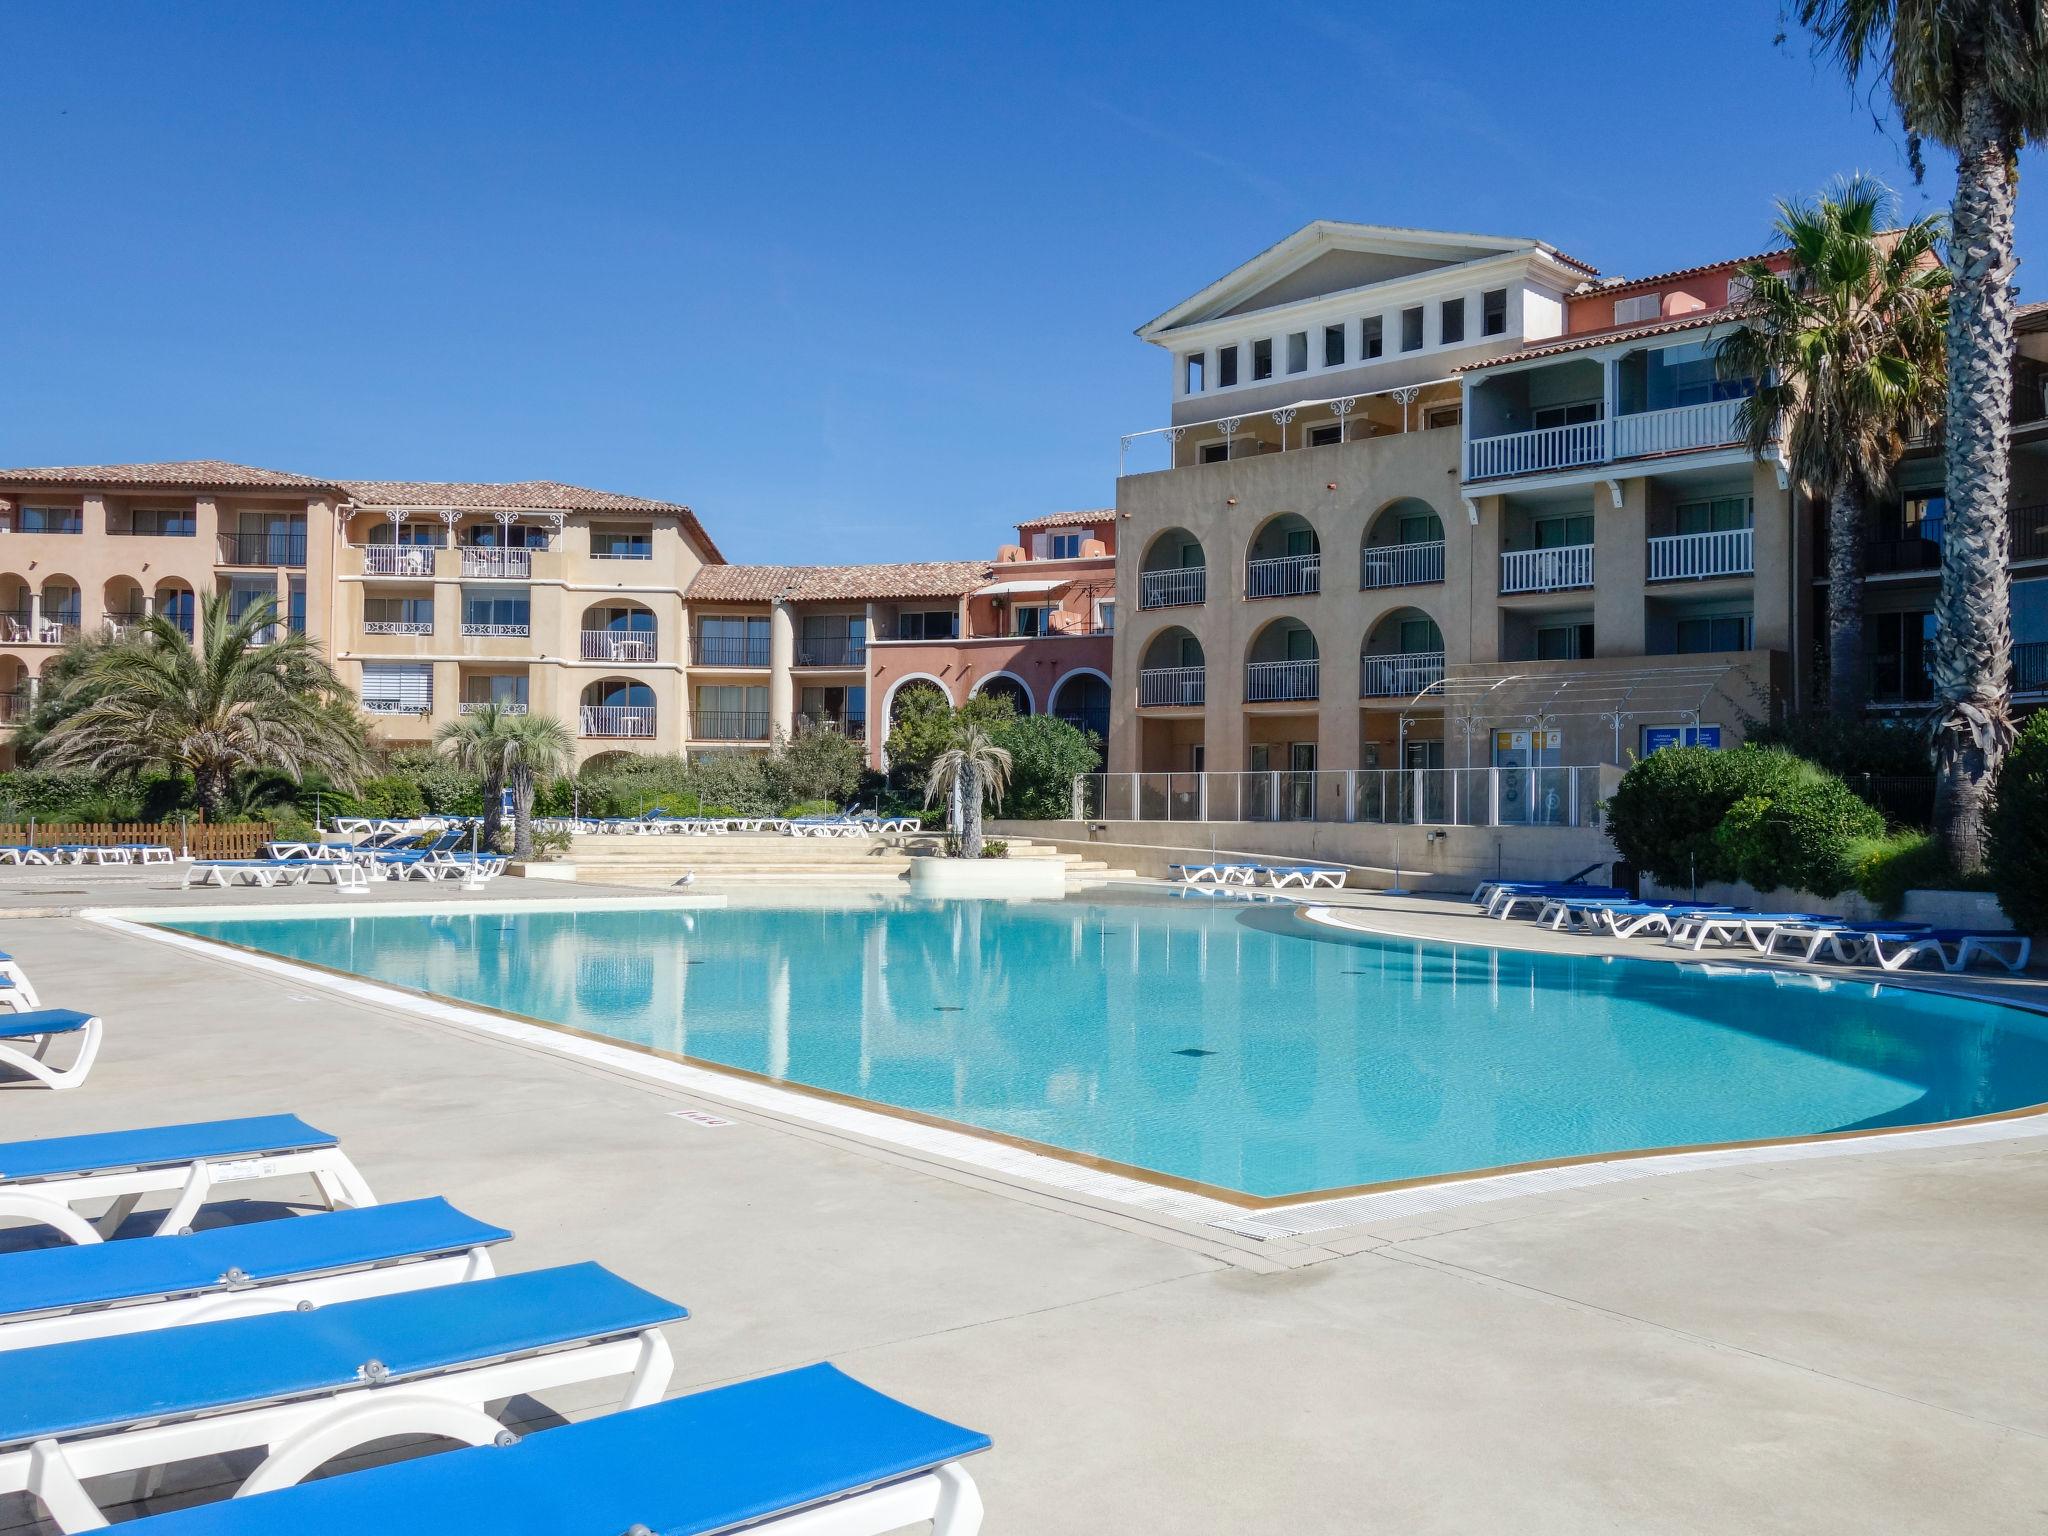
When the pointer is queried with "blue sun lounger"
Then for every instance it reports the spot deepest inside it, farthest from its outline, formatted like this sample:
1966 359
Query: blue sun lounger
41 1181
54 1295
302 1388
811 1447
26 1038
1954 949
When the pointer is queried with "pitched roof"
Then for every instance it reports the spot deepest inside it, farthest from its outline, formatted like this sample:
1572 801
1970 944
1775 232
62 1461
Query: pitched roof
1607 287
1585 339
194 474
523 496
1069 519
844 583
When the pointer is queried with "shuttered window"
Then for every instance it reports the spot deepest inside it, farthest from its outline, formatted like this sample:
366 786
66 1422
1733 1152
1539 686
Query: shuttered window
398 688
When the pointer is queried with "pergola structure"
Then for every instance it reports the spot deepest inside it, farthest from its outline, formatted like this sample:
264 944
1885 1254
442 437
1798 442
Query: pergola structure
1482 702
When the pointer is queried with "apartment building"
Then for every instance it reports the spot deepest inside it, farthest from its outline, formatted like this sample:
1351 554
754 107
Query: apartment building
617 614
1437 502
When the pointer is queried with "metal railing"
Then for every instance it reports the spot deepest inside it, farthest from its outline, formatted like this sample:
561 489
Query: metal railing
1547 570
2029 533
1284 576
852 727
475 631
617 720
1267 681
735 651
832 651
2030 666
1676 429
1528 453
1094 721
262 549
398 626
504 707
1449 797
388 706
643 552
398 560
730 725
1400 565
1169 686
1696 556
1181 587
15 704
1400 675
491 562
620 645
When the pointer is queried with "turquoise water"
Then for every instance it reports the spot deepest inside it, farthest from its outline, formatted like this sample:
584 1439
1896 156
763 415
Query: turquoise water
1211 1041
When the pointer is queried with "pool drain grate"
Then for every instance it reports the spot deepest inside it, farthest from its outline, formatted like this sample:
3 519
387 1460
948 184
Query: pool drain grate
1193 1050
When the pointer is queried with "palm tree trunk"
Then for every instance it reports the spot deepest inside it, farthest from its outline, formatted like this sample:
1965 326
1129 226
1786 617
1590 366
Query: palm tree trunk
1973 619
522 816
1848 670
970 809
210 790
494 809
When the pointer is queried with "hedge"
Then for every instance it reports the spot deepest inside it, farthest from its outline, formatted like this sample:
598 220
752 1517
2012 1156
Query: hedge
1666 811
2019 830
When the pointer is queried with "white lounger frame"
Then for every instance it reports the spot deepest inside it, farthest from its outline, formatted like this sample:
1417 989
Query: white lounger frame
300 1437
945 1496
51 1201
20 1055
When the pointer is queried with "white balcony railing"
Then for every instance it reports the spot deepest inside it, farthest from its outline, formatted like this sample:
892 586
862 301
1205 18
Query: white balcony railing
496 631
1401 675
1696 556
1266 681
618 720
1676 430
398 560
1400 565
505 707
391 706
398 626
1547 570
1180 588
619 645
1166 686
1285 576
1529 453
513 564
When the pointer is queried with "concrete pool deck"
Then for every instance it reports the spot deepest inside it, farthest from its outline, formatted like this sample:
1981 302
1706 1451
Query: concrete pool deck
1845 1344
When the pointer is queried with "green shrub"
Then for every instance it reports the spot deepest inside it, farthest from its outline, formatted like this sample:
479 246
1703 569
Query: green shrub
444 789
1887 867
817 763
735 779
994 848
1045 754
2019 830
810 808
1669 806
1800 836
1848 745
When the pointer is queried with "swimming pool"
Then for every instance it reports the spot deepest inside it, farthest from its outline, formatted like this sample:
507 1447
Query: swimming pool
1236 1047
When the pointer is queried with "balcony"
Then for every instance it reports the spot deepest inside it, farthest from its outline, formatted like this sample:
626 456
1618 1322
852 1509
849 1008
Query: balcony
1701 556
1538 452
1399 676
852 727
1172 687
2029 533
1400 565
730 651
1181 588
832 651
122 625
1286 576
391 706
398 626
1632 435
19 626
415 560
730 725
288 549
15 705
1268 682
474 631
504 707
1546 570
497 564
634 720
1679 429
1893 557
626 645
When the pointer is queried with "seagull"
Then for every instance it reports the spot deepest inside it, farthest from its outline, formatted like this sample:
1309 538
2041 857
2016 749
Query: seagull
689 877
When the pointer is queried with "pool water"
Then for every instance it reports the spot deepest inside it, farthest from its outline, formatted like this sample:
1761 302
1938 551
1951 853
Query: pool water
1233 1046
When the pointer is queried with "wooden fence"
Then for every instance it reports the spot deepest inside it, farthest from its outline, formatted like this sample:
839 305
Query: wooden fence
205 841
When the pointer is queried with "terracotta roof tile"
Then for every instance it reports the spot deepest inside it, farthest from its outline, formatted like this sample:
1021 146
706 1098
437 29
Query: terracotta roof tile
1586 339
842 583
522 495
1069 519
194 474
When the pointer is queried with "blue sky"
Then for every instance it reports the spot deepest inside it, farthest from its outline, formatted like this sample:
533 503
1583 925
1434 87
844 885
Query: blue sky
855 282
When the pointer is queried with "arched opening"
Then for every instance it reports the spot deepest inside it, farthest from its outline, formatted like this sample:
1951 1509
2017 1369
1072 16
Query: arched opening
911 691
1403 546
15 694
63 610
176 602
1082 700
617 706
1172 671
1284 558
619 630
16 608
1282 667
1002 685
1281 663
122 599
1401 655
1173 572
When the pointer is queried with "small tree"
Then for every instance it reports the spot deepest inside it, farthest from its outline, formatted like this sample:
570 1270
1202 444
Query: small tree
536 747
817 763
1045 754
982 771
2019 830
923 726
477 744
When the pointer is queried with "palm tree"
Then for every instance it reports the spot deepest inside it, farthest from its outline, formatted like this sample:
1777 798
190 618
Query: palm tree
979 768
1971 75
239 699
536 747
1846 349
477 743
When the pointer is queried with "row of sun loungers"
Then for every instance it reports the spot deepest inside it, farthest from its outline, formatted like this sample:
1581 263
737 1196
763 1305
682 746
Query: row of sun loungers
286 1344
1330 876
658 824
1810 936
87 853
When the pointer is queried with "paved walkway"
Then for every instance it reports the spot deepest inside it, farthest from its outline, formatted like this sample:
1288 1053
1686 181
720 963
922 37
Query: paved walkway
1849 1345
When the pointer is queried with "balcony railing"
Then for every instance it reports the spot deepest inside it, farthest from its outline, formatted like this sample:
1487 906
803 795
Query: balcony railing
2030 666
617 720
2030 533
1400 565
833 651
1181 588
14 705
504 706
488 563
475 631
398 560
620 645
19 626
1095 722
120 625
1547 570
730 725
721 651
1530 453
1284 576
263 549
1697 556
624 552
1267 681
852 727
1676 430
1893 557
1400 675
390 706
398 626
1468 797
1167 687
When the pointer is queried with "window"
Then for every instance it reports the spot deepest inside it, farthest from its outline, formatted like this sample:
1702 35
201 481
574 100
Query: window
163 522
1493 312
1451 323
1032 618
1922 514
940 624
1722 514
398 615
1226 367
1442 416
1564 532
1420 635
1644 306
843 709
622 543
1064 546
1572 415
507 690
51 520
1215 453
412 535
1411 329
1738 288
242 596
1564 642
1371 338
1900 646
1333 346
1301 541
1323 435
730 713
1191 369
732 642
493 612
398 688
1105 616
1297 352
1262 360
1713 632
832 640
495 535
1301 645
1419 528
